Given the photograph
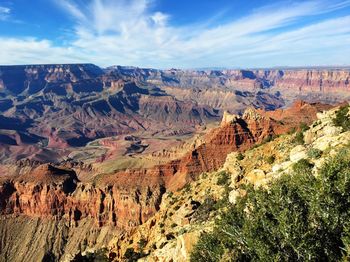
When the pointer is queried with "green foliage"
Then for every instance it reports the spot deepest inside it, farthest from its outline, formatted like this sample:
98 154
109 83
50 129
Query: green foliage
131 255
342 119
299 138
302 167
303 127
299 218
208 249
223 178
98 256
141 244
291 131
270 159
170 194
187 188
240 156
314 153
203 211
269 138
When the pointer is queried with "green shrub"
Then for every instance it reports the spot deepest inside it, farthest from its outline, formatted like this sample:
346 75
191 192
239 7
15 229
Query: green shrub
291 131
270 159
269 138
208 249
314 153
223 178
131 255
98 256
299 218
203 211
303 127
240 156
187 188
341 118
303 166
299 138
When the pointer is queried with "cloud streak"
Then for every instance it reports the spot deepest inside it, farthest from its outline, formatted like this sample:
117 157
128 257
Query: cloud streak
128 32
4 13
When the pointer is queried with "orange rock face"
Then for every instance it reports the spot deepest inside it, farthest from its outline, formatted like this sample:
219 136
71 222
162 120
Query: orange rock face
51 192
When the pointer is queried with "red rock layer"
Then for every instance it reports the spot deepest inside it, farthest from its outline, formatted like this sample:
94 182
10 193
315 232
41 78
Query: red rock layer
52 192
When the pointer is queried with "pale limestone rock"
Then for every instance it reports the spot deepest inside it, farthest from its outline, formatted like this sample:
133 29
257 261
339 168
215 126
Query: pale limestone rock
297 153
332 130
256 177
282 166
232 165
233 195
178 250
228 118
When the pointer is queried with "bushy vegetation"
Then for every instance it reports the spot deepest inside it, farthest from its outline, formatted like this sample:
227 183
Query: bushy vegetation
299 218
314 153
270 159
303 127
269 138
342 119
303 166
98 256
132 255
240 156
299 138
223 178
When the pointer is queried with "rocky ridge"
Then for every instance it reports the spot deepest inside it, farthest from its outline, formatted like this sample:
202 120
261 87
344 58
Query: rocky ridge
171 234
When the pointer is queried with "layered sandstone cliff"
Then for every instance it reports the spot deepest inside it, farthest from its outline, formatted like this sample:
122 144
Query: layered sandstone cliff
53 196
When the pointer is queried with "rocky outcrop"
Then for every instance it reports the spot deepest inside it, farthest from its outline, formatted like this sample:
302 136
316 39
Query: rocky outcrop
61 209
51 192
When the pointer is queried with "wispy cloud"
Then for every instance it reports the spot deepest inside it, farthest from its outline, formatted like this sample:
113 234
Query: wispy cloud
4 13
128 32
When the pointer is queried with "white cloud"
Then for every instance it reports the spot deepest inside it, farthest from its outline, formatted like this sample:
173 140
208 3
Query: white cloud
4 13
127 32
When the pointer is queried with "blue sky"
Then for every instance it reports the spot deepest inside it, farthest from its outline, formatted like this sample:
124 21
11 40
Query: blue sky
181 33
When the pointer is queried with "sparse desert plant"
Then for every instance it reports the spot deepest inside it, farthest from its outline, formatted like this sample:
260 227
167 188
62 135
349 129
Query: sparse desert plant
342 119
299 138
314 153
271 159
131 255
240 156
203 211
97 256
303 127
269 138
223 178
303 166
187 188
291 131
